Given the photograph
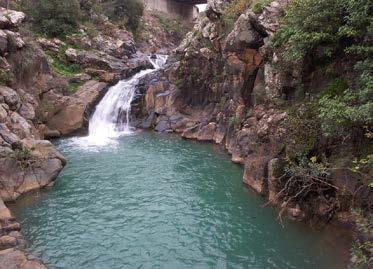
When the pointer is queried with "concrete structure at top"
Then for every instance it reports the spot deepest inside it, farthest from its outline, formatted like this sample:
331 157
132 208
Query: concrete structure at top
184 9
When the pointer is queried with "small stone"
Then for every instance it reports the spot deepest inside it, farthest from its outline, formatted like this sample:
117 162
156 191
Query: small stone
7 242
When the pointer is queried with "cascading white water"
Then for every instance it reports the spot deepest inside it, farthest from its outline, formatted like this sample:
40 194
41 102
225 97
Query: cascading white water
112 115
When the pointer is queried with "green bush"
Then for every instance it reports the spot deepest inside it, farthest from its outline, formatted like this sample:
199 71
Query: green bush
258 5
343 29
231 13
129 12
237 7
173 26
309 23
54 18
304 131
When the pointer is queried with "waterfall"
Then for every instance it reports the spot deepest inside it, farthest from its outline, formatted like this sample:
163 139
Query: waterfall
112 115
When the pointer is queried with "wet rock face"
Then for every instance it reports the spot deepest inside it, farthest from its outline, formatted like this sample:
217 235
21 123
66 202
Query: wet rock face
212 91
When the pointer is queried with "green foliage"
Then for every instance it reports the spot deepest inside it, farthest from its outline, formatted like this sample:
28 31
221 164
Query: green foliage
61 66
304 182
222 102
326 25
361 250
227 23
307 24
329 27
173 26
340 115
234 122
128 12
304 168
336 87
304 130
54 18
258 5
65 69
363 166
231 13
5 77
237 7
74 86
24 157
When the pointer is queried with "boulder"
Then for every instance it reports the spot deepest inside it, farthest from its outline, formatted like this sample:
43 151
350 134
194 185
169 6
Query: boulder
243 35
270 18
33 165
10 18
3 42
215 8
275 171
255 173
27 111
163 125
207 132
70 118
7 242
15 40
51 45
4 211
10 96
81 78
99 60
16 259
71 55
115 46
71 115
7 136
20 126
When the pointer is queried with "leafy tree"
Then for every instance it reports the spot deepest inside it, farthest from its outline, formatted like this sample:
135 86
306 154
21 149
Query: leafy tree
54 18
330 28
127 11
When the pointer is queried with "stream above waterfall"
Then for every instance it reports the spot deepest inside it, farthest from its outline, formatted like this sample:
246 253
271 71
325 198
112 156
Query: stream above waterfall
158 201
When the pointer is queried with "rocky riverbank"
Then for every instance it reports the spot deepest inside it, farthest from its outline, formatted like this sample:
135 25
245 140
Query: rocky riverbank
229 85
226 83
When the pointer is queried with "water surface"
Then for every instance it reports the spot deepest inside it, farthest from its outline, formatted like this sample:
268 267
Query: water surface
155 201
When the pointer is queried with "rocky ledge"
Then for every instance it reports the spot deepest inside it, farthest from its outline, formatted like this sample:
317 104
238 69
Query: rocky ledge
27 162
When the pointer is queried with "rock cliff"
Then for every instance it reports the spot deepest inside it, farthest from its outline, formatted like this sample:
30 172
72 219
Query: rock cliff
228 84
26 161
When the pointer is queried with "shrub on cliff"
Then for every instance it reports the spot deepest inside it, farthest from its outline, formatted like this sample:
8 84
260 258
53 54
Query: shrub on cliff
54 18
330 29
128 12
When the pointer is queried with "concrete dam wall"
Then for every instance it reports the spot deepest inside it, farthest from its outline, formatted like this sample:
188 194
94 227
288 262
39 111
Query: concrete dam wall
175 9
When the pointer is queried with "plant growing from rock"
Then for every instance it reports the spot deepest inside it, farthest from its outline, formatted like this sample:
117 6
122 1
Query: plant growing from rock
342 29
307 182
24 157
127 12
